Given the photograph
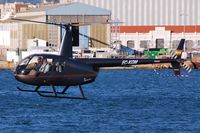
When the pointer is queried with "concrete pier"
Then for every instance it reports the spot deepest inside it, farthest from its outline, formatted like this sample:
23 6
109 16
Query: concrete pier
7 65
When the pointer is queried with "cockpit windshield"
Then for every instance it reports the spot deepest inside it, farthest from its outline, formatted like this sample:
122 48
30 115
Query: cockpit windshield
24 62
34 65
34 62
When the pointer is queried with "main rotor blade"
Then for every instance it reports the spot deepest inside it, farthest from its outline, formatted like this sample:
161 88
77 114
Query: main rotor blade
40 22
59 24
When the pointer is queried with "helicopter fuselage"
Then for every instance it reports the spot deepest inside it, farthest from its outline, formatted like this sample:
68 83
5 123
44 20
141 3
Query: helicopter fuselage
56 70
60 71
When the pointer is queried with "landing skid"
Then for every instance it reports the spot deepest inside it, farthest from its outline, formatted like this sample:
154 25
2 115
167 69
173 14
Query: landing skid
37 90
54 93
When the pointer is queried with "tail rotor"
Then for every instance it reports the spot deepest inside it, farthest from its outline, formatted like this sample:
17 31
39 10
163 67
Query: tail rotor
181 58
178 61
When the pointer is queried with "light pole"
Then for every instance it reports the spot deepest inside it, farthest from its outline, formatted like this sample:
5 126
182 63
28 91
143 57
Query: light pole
184 15
196 23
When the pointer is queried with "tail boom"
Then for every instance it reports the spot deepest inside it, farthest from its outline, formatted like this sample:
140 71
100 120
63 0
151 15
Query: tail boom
123 62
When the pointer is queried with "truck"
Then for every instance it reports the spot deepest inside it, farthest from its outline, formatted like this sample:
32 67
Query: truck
152 53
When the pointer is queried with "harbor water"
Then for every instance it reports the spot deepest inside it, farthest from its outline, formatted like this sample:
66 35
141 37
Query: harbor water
118 101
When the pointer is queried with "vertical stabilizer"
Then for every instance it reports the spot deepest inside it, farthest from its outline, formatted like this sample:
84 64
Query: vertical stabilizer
66 44
181 45
178 52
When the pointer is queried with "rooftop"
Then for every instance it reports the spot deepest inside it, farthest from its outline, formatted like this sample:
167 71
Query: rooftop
71 9
78 9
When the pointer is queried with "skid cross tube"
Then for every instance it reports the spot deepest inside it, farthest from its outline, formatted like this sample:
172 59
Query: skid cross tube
65 89
81 91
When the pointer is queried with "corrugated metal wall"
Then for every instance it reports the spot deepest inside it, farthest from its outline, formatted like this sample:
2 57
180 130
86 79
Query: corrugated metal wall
9 35
98 36
151 12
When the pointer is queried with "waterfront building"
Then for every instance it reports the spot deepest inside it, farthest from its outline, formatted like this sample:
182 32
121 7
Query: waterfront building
18 33
10 32
152 23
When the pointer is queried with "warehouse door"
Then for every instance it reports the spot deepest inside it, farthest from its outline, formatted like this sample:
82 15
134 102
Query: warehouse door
159 43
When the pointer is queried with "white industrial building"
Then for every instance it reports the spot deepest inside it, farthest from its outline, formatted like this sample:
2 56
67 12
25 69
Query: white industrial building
152 23
150 12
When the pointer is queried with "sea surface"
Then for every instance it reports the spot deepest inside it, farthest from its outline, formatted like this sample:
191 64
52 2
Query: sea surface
133 101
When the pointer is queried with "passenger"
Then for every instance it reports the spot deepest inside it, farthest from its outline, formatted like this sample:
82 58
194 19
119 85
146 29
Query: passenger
45 66
58 67
52 66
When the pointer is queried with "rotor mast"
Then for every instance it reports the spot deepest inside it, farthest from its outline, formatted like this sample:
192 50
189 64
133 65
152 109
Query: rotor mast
66 44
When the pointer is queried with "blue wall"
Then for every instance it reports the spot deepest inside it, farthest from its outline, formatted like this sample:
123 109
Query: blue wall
83 41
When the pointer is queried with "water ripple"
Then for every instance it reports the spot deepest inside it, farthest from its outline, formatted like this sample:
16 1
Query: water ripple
119 101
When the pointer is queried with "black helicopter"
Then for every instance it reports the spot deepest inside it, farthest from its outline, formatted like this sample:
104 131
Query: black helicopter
64 70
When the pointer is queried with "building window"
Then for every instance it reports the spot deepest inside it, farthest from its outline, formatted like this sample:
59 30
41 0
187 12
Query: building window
159 43
175 44
189 44
131 44
144 43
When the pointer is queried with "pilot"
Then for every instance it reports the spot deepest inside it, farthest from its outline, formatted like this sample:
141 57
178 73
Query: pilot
34 68
33 65
39 63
